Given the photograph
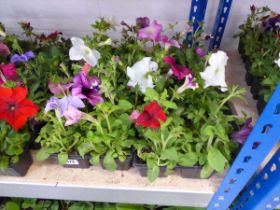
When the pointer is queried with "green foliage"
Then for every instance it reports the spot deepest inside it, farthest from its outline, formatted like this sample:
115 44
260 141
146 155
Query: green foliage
111 136
260 48
57 139
11 144
41 204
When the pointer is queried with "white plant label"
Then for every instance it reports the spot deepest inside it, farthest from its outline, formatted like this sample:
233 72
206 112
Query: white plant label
72 162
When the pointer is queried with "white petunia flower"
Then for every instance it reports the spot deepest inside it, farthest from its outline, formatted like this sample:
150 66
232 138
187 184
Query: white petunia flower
278 61
80 51
138 74
214 74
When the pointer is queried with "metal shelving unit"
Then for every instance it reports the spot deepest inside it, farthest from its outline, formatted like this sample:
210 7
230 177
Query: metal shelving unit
262 189
51 181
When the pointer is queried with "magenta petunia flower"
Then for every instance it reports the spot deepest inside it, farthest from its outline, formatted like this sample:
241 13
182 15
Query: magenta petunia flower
4 50
86 87
7 72
151 32
177 70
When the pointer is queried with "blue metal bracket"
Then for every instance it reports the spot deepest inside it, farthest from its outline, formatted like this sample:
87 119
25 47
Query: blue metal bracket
197 14
220 23
260 142
264 191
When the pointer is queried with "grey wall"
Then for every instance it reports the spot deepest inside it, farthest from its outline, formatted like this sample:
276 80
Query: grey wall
73 17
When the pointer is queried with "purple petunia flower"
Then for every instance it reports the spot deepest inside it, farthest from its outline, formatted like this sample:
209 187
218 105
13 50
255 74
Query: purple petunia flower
23 57
199 51
245 130
86 87
63 104
271 22
143 22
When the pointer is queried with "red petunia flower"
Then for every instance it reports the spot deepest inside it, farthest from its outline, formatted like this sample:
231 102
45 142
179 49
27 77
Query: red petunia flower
151 116
15 108
278 35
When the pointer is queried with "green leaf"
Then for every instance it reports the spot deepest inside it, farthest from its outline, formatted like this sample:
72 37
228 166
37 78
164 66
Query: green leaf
207 130
4 163
81 206
109 162
206 171
151 95
42 154
85 148
54 205
169 154
124 105
153 173
10 205
62 158
169 104
153 169
216 159
28 203
188 159
95 159
129 207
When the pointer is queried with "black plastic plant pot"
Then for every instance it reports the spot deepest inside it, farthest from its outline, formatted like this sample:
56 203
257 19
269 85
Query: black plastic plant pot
21 167
74 161
191 172
142 168
260 104
121 165
37 127
248 78
256 87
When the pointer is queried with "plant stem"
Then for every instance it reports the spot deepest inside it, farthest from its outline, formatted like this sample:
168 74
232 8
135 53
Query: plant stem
108 122
2 76
210 141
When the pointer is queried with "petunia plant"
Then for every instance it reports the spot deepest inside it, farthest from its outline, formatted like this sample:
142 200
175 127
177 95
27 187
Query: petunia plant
260 48
38 58
15 110
147 91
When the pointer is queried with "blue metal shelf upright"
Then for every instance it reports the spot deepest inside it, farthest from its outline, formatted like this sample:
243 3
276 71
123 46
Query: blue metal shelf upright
260 190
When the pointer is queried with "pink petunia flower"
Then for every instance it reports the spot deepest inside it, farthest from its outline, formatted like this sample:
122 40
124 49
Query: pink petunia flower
4 50
151 32
72 115
169 42
134 115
